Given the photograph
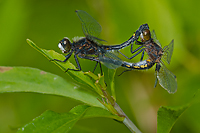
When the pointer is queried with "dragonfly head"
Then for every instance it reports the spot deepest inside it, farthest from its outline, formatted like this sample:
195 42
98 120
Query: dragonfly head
145 35
65 45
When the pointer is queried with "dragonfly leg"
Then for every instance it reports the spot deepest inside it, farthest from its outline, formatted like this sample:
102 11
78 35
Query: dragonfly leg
123 72
156 82
135 54
93 59
77 62
132 52
139 43
157 70
142 56
99 66
95 66
135 49
66 58
101 70
157 67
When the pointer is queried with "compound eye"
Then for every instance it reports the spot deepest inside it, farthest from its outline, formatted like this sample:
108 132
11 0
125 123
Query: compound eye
146 34
65 45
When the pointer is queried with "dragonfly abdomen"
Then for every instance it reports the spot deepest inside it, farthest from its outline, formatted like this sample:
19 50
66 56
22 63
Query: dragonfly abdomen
146 64
120 46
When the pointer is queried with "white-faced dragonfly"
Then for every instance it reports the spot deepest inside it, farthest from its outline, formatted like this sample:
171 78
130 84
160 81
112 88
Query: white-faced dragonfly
89 47
152 47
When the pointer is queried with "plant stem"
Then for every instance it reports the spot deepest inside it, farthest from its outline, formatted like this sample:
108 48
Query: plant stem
131 126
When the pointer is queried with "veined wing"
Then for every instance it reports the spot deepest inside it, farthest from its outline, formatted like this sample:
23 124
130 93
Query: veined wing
167 79
167 52
91 28
110 60
153 35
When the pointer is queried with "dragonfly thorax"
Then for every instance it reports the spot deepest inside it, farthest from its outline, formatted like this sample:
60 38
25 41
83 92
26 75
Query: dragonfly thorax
65 45
153 50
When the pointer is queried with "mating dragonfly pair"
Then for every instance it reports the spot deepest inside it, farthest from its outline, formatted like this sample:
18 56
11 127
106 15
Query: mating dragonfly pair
90 47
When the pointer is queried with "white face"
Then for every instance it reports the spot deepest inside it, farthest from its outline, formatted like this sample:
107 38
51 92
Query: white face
61 47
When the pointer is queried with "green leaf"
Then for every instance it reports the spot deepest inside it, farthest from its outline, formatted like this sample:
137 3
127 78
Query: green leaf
167 116
51 55
111 77
25 79
50 121
99 82
53 122
100 112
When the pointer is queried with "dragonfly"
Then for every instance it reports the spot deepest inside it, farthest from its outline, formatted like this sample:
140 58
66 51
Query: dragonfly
156 55
90 46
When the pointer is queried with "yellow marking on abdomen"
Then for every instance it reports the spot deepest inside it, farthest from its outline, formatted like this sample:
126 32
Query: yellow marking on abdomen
128 65
148 60
136 66
142 66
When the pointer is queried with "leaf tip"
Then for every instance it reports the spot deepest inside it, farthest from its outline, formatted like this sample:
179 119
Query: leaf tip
30 42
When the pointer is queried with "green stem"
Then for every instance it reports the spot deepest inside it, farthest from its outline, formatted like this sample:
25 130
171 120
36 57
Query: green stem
129 124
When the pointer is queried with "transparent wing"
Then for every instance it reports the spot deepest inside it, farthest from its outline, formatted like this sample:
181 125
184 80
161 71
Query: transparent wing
153 35
91 28
167 79
110 60
167 52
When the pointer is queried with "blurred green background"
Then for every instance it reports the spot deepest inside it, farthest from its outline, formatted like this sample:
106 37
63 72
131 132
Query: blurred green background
46 22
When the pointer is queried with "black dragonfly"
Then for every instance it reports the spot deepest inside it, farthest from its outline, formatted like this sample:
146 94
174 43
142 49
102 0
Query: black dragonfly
90 47
152 47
